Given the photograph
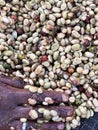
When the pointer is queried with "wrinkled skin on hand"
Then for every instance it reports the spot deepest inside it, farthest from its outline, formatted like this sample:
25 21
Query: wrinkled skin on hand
9 105
12 108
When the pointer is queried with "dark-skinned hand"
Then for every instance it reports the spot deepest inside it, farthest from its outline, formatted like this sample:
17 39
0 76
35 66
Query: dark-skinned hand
14 105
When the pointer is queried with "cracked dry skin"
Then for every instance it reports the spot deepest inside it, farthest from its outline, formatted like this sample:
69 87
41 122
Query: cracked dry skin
12 100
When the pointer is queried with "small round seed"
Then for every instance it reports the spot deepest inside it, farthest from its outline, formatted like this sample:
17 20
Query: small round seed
2 2
71 70
32 101
84 96
79 70
41 110
63 6
55 118
42 17
49 100
95 102
75 47
83 110
72 99
33 114
53 113
75 34
23 119
8 53
40 90
46 113
89 54
69 119
56 9
75 122
88 114
78 112
33 89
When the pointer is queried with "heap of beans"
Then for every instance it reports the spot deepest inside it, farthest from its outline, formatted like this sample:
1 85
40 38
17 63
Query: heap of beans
53 44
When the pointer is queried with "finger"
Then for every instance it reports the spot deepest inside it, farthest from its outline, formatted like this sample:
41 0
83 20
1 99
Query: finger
6 88
45 98
43 112
56 96
2 86
14 82
62 111
51 112
22 112
46 126
9 90
17 125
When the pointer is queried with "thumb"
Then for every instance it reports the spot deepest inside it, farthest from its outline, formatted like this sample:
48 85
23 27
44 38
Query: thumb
12 81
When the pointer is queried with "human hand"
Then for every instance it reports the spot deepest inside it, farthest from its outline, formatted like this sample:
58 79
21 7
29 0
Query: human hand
14 106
